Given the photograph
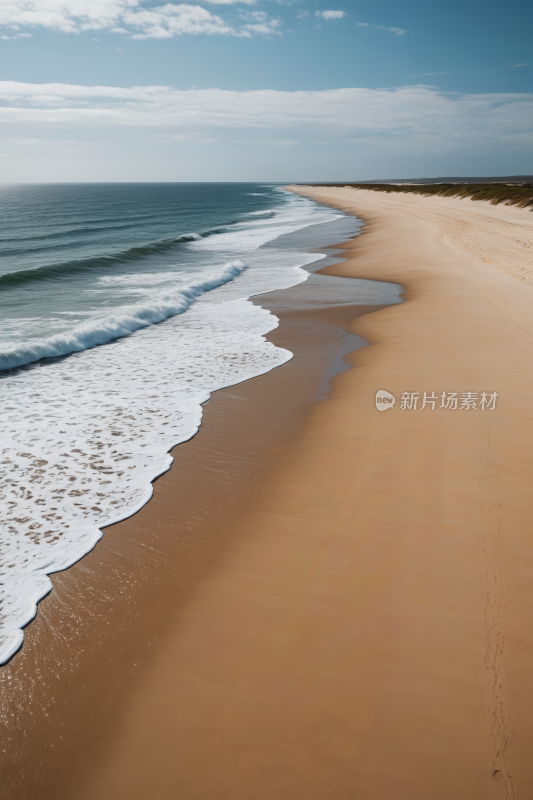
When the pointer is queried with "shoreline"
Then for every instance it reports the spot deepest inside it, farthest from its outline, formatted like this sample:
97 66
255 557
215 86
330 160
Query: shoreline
123 581
52 524
366 629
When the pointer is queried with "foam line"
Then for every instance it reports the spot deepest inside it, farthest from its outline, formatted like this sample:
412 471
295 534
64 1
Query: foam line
115 326
82 438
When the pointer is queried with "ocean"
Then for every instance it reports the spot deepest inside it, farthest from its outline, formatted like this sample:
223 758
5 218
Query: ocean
123 306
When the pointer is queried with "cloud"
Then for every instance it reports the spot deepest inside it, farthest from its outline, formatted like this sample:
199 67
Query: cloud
407 117
18 36
426 74
259 22
68 16
164 22
254 16
154 22
329 15
397 31
517 65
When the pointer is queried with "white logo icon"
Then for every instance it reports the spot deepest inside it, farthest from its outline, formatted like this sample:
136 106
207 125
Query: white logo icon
384 400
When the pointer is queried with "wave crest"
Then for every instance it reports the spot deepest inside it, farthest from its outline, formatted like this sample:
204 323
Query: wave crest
262 214
115 326
95 262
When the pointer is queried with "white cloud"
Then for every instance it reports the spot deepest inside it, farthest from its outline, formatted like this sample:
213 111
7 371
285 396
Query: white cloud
407 117
426 74
518 65
397 31
69 16
254 16
154 22
263 28
259 22
164 22
329 15
18 36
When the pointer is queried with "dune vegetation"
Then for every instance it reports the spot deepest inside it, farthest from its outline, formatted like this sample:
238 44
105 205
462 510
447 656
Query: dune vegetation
511 194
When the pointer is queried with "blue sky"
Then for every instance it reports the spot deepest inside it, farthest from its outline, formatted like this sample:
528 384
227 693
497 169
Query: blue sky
264 90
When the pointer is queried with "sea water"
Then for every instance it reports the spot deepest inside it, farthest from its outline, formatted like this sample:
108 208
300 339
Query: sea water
122 307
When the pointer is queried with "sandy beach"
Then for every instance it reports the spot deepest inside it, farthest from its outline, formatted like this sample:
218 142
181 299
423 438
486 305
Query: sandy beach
321 601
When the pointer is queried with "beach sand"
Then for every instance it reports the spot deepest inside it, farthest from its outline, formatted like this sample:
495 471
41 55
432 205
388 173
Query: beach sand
358 622
63 697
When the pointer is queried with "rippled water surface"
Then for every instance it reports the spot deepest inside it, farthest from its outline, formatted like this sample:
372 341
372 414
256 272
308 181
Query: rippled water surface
122 306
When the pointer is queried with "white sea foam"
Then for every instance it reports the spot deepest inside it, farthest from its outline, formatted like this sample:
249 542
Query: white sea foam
82 438
261 214
188 237
113 326
138 279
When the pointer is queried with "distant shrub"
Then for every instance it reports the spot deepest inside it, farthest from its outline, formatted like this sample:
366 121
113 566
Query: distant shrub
520 195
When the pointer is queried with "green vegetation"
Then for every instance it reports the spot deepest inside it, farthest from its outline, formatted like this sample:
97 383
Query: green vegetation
518 194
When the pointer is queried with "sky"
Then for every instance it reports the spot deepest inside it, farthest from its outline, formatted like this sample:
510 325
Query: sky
264 90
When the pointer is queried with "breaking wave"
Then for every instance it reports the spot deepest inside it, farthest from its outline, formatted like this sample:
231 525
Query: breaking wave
114 326
86 264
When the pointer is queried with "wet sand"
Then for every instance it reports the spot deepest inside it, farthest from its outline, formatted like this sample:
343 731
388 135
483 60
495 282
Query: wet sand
358 621
64 697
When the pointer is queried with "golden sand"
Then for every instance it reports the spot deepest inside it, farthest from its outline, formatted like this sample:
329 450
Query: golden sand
369 634
372 636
